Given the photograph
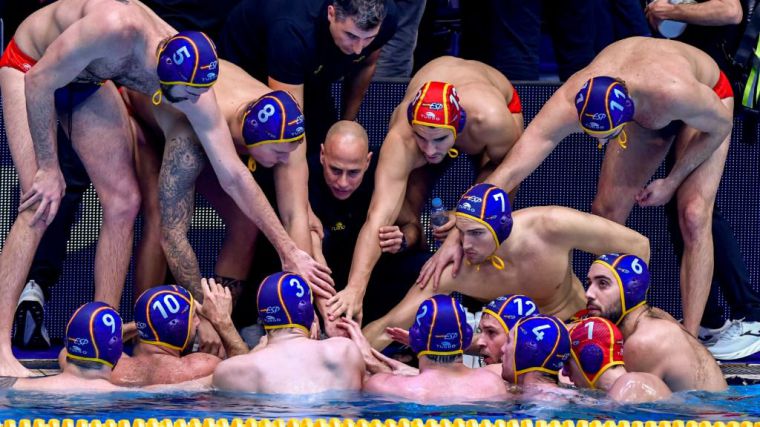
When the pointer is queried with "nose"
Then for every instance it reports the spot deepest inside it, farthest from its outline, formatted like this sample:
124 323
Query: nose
343 181
357 47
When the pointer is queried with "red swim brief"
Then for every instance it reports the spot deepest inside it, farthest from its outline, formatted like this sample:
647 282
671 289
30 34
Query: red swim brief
514 105
13 57
723 88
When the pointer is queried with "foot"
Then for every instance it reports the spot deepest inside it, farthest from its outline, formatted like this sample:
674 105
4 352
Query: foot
10 367
30 316
708 336
740 339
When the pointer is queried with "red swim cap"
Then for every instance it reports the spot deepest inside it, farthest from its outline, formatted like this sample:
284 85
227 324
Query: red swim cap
437 104
596 345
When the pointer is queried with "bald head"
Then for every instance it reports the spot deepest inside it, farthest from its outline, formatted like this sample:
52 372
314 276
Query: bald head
345 158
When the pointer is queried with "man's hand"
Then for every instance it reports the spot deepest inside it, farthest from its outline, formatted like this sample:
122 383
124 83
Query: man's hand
657 11
47 189
333 329
391 238
396 367
354 332
399 335
449 253
657 193
209 339
315 274
217 302
348 302
440 233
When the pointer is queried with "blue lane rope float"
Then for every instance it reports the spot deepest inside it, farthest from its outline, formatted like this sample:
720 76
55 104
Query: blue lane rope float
347 422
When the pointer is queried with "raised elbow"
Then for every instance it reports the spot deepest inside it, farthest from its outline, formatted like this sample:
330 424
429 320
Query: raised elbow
735 16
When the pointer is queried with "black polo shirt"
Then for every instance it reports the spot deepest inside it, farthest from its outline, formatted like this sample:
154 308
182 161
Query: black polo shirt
290 40
342 220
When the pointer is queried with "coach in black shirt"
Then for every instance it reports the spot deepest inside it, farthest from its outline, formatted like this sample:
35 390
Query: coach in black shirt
304 45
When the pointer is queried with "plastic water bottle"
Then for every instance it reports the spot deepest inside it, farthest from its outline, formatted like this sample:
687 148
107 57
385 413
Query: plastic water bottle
672 29
438 215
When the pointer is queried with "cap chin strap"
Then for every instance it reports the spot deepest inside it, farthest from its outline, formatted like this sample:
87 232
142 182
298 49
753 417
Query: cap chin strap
251 164
496 262
622 140
453 153
156 97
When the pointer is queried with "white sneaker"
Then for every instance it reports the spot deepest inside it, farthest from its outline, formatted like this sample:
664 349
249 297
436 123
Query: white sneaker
708 336
739 340
30 315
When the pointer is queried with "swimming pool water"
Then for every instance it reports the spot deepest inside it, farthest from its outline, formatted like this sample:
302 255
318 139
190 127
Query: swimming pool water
739 403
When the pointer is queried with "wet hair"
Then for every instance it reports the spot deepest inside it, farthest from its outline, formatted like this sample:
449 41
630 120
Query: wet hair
367 14
443 359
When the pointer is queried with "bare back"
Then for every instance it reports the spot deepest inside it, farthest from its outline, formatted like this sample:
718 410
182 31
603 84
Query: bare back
679 68
456 383
150 369
122 35
656 343
65 383
294 366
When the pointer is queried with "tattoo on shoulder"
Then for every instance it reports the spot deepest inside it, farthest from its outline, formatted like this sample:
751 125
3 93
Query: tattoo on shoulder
7 382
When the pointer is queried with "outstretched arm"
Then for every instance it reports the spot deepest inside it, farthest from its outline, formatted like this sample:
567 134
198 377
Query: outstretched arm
590 233
395 164
556 120
356 86
236 180
708 13
217 308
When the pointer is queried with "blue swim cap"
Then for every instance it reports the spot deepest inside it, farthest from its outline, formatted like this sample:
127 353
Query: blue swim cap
604 106
632 276
542 344
274 118
164 316
508 309
488 205
284 301
94 334
440 328
189 58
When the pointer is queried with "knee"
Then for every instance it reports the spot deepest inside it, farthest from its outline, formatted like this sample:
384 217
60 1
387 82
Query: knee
695 219
609 210
123 207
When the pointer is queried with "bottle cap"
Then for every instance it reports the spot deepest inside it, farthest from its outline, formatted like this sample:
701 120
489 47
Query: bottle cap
437 202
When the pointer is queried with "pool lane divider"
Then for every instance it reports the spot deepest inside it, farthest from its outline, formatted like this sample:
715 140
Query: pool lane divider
337 422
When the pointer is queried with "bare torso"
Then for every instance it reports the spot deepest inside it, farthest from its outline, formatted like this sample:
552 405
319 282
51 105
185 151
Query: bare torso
534 267
455 383
65 383
656 343
295 365
151 368
125 30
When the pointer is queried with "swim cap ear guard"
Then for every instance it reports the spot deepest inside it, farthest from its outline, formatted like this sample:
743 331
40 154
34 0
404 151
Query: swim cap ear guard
440 328
436 104
489 205
596 345
93 334
164 316
189 58
632 276
284 301
272 119
542 344
604 107
508 309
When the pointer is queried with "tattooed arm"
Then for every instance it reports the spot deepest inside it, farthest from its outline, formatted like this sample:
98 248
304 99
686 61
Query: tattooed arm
183 162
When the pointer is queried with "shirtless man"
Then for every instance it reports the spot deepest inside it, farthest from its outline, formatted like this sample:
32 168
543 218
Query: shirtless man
647 94
526 253
597 362
291 362
428 125
439 336
166 322
266 127
93 346
654 341
76 45
533 354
